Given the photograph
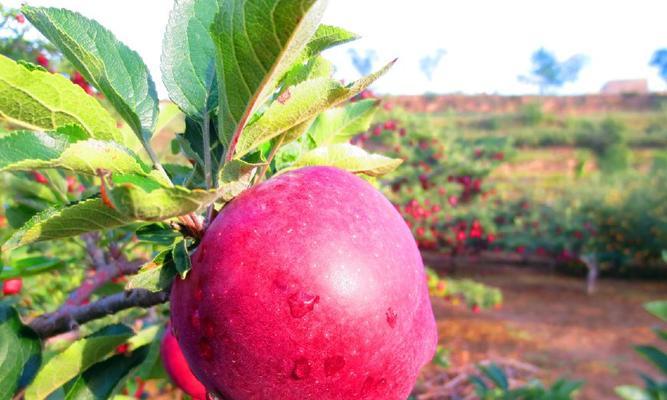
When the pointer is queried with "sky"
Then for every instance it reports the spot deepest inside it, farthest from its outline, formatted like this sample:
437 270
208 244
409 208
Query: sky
488 43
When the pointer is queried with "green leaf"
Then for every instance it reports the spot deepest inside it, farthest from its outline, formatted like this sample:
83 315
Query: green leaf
496 375
20 353
655 356
480 387
350 158
316 67
26 151
77 358
30 266
658 309
115 70
100 381
156 275
157 234
235 177
565 388
192 143
257 41
306 101
188 57
326 37
151 337
181 256
340 124
41 100
143 199
632 393
63 222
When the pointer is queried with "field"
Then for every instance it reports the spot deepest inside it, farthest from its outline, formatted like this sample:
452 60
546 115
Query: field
548 327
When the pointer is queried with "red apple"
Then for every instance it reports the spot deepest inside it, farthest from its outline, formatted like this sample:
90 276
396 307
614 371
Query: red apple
11 287
39 178
178 369
308 286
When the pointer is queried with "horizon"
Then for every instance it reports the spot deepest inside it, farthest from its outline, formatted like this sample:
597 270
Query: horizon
617 39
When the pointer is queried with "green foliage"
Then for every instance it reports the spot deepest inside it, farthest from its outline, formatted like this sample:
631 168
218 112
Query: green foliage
463 291
78 357
493 384
38 99
108 64
654 389
340 124
305 101
188 53
156 275
26 151
20 353
63 222
350 158
247 72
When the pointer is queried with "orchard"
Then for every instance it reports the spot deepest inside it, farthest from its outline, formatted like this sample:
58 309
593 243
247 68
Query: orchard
276 231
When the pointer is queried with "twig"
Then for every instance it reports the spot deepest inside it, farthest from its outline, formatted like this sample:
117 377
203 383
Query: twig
52 324
272 154
106 268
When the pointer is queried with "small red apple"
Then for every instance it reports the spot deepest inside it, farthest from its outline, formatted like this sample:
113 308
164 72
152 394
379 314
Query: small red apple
178 369
307 286
12 287
39 178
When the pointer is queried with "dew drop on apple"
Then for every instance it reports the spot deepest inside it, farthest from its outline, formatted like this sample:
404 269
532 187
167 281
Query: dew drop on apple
391 317
302 303
333 364
302 367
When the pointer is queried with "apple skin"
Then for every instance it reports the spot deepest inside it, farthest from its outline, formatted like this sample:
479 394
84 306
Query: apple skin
178 369
307 286
12 287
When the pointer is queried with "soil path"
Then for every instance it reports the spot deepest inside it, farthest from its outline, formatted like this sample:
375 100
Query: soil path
548 320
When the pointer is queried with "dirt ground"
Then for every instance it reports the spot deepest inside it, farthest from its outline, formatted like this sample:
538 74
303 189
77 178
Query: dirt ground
549 321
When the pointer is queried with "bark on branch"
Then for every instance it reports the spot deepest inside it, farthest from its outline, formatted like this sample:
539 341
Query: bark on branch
52 324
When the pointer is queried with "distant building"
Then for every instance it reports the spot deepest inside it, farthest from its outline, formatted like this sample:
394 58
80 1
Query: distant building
628 86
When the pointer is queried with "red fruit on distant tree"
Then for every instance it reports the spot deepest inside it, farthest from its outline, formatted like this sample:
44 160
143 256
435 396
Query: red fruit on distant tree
42 60
178 368
390 125
453 201
39 178
72 184
12 287
461 236
307 286
366 94
377 131
20 18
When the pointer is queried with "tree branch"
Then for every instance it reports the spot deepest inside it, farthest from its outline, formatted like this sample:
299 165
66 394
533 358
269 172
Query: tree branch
52 324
